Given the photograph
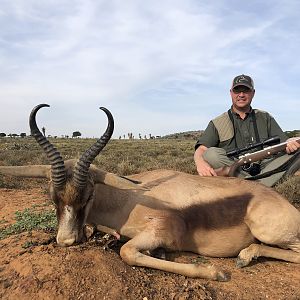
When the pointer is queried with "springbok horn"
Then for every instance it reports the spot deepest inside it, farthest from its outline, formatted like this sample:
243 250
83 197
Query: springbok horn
82 167
58 171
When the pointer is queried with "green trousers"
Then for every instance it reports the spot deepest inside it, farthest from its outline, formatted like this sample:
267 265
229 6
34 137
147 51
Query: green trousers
217 158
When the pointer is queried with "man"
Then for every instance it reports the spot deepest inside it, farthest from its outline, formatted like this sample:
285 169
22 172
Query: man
240 127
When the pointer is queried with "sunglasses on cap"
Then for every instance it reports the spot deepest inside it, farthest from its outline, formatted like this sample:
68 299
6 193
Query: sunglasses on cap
241 89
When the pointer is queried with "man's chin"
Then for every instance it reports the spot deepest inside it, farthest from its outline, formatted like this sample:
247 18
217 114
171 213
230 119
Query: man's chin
242 105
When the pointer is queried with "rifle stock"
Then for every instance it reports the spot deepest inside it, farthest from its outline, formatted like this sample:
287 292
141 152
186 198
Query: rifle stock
249 158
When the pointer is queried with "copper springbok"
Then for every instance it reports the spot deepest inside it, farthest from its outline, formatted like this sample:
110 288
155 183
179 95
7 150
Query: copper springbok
211 216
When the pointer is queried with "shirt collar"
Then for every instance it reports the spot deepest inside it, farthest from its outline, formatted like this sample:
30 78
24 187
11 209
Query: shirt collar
237 115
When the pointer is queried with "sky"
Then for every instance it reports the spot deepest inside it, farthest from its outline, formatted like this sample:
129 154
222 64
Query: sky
160 67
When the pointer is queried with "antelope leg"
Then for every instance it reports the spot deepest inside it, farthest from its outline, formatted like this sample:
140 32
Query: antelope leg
256 250
130 253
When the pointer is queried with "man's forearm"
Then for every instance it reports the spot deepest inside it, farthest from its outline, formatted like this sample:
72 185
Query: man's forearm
203 168
198 155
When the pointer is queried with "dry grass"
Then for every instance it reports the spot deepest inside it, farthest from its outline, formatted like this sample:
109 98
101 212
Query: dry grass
123 157
290 188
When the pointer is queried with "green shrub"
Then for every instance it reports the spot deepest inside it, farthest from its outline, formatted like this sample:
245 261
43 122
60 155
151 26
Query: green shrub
28 220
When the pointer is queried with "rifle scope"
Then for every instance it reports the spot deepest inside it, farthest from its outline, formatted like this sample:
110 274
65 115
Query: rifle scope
269 142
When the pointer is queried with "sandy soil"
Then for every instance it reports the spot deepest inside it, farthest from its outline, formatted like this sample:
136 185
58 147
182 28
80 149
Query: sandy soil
94 270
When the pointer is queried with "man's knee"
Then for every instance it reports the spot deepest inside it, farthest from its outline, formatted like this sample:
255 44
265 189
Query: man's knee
216 157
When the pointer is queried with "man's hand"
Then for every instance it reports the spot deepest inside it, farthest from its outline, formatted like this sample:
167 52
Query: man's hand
203 168
292 145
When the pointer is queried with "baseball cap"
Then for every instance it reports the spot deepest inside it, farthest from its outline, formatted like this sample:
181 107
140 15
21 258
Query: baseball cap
244 80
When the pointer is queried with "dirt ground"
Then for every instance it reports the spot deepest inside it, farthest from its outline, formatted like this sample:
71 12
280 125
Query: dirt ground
94 270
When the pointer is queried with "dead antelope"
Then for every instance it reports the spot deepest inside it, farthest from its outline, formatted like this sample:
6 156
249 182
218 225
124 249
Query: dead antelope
211 216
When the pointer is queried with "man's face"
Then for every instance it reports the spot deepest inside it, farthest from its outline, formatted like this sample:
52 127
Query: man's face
241 97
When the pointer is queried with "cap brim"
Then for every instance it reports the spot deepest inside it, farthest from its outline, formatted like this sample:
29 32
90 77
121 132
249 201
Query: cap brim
243 84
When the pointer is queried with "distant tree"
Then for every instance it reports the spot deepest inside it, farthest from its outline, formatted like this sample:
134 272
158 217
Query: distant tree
76 134
44 131
292 133
23 134
14 135
2 134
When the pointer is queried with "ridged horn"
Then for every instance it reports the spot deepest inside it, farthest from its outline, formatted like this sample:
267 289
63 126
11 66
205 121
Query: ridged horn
82 167
58 171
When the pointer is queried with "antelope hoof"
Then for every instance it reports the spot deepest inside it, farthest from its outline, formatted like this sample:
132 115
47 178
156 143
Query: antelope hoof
246 255
241 263
223 276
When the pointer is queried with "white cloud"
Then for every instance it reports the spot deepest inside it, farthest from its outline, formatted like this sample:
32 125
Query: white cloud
164 65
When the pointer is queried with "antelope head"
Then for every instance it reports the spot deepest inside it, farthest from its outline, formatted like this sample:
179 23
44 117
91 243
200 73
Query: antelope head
71 182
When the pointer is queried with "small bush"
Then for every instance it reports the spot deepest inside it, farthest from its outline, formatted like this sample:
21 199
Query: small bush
29 220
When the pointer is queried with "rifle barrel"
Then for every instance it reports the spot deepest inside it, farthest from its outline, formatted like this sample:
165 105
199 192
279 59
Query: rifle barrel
256 156
269 142
262 154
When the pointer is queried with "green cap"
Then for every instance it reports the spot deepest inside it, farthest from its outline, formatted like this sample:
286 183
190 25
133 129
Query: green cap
244 80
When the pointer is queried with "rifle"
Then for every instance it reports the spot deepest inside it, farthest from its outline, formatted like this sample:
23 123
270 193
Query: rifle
269 142
250 158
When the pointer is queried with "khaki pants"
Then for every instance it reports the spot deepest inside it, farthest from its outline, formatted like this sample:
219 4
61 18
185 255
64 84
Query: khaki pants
217 158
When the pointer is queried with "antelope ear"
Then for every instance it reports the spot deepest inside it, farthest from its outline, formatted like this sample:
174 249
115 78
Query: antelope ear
35 171
114 180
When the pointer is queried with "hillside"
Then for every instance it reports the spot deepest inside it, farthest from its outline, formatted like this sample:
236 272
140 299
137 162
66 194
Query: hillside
194 135
189 135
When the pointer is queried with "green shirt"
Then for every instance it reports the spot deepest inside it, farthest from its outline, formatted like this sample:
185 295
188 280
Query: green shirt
244 131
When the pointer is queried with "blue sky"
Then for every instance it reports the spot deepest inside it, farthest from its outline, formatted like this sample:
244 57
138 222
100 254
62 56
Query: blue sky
159 66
